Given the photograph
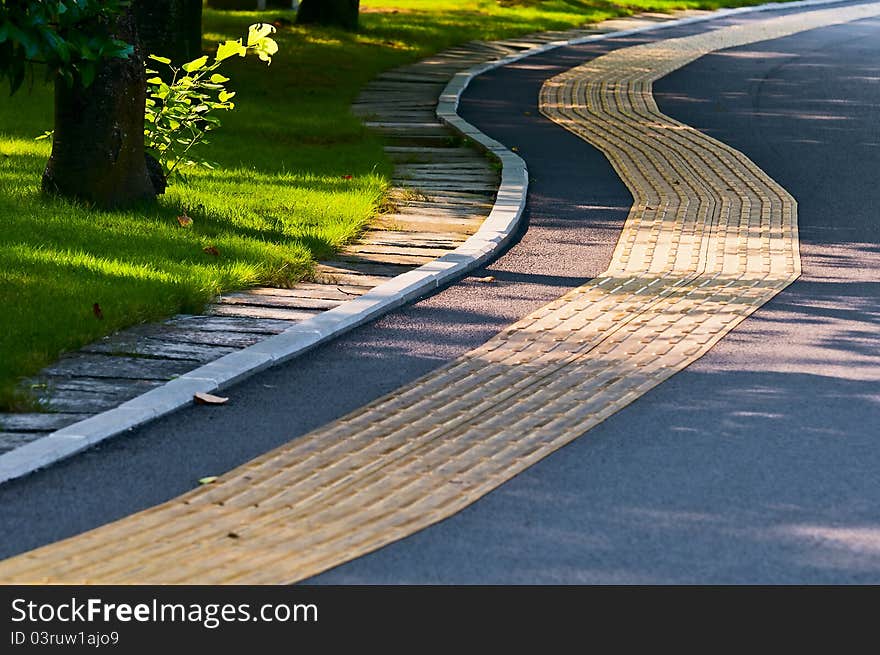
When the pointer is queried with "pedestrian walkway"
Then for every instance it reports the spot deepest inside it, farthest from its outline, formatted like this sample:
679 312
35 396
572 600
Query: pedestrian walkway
709 239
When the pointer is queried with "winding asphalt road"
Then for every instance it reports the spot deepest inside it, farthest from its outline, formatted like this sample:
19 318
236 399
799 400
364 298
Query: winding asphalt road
756 464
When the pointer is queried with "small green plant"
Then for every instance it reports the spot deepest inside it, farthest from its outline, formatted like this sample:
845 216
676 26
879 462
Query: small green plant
182 111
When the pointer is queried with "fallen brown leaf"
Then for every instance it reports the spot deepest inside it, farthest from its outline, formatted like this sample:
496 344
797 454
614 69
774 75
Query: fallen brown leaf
184 220
211 250
96 310
209 399
485 280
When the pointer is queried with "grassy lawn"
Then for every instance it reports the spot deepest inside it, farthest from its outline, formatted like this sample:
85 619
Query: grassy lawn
282 195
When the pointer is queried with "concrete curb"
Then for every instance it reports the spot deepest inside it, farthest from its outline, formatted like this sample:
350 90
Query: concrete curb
495 233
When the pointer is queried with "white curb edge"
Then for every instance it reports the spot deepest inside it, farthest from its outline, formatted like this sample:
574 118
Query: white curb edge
494 234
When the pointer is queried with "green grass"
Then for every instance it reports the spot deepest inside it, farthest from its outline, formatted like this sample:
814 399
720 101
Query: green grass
279 200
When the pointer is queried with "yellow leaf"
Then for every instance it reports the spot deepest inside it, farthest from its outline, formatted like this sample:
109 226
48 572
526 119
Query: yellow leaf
195 64
259 31
229 49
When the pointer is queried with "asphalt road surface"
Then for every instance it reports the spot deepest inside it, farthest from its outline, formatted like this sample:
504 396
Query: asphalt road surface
757 464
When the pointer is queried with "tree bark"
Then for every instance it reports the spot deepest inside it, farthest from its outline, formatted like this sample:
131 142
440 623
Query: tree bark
98 146
170 28
334 13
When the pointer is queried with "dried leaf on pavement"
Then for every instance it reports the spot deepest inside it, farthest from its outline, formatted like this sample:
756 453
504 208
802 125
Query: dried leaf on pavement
209 399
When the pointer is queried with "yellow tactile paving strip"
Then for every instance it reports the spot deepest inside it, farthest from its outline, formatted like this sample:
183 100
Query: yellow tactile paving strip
709 239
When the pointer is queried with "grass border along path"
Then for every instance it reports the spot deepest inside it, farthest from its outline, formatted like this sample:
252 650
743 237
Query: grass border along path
298 177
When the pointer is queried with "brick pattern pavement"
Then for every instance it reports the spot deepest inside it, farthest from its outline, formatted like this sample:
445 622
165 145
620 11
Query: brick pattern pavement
710 238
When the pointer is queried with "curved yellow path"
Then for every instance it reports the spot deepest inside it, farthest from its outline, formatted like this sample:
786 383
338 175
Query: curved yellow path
709 239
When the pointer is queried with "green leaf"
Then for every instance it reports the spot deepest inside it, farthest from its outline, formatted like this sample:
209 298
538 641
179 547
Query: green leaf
155 80
31 46
226 95
217 78
229 49
16 75
66 75
195 64
161 60
57 44
123 50
87 71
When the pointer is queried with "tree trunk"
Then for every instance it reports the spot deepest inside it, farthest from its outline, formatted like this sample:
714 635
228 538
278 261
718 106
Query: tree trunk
170 28
98 146
251 5
336 13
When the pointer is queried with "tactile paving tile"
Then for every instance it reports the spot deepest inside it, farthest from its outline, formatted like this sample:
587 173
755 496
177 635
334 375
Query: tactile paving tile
710 238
